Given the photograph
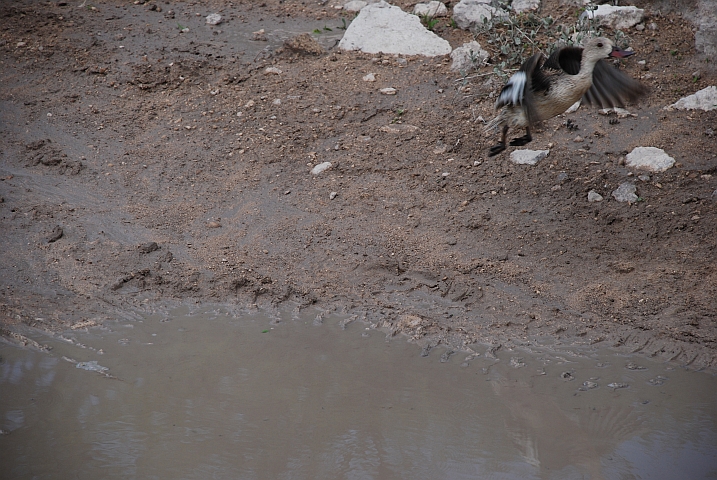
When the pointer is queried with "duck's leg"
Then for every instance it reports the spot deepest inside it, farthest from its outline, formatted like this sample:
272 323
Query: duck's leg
500 146
519 141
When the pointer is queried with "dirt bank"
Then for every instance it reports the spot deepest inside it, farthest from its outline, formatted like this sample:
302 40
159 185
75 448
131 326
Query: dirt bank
144 164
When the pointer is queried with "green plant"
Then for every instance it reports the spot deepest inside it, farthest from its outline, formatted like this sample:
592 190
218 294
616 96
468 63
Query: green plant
327 29
343 26
429 22
317 31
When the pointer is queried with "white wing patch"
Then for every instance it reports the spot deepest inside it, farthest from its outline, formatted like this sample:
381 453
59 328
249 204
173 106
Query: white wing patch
512 93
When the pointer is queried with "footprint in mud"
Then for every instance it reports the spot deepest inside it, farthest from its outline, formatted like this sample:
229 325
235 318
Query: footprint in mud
447 355
567 376
588 385
634 366
657 381
517 362
617 385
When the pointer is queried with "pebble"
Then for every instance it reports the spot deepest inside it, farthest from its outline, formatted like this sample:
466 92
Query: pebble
388 91
213 224
617 385
528 157
55 235
578 139
214 19
594 196
332 195
644 177
272 71
321 167
276 102
370 77
625 193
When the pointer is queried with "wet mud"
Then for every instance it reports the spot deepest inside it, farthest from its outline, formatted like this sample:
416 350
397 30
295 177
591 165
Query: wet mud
143 163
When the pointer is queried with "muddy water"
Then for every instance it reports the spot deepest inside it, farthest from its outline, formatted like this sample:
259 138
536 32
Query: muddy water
217 395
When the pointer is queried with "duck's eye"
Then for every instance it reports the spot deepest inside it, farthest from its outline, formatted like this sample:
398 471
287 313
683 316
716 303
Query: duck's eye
599 45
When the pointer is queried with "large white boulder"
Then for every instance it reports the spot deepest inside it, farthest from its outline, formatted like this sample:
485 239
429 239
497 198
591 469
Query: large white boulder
472 13
617 18
384 28
705 99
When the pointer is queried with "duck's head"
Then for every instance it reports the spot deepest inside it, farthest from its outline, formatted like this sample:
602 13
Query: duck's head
601 47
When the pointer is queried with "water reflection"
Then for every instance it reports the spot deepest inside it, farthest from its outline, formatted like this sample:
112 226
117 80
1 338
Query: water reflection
210 396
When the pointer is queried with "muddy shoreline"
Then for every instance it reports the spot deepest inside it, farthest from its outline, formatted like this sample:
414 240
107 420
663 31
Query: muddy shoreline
140 165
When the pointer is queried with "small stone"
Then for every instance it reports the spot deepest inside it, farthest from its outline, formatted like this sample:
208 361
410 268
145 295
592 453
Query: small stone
332 195
594 196
398 128
649 158
354 5
148 247
625 193
578 139
55 235
321 167
388 91
369 77
213 224
469 56
21 44
555 188
272 71
528 157
640 27
259 36
430 9
214 19
520 6
562 177
644 177
276 102
574 107
617 18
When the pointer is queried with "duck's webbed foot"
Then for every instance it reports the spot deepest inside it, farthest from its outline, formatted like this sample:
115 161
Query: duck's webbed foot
520 141
496 149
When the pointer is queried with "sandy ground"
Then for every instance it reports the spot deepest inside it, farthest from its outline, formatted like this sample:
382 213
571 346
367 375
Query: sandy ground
143 165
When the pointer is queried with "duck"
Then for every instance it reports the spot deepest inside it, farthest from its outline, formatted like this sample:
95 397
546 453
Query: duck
542 89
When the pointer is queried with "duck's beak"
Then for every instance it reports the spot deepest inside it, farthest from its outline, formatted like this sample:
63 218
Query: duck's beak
620 53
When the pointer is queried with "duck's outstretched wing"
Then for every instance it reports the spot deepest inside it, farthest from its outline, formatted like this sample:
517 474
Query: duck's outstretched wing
518 91
612 87
566 59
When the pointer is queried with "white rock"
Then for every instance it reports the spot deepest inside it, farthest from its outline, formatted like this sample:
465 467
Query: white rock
272 71
430 9
617 18
332 195
214 19
369 77
468 56
470 13
594 196
705 99
649 158
625 193
354 5
276 101
519 6
574 107
388 91
528 157
321 167
384 28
